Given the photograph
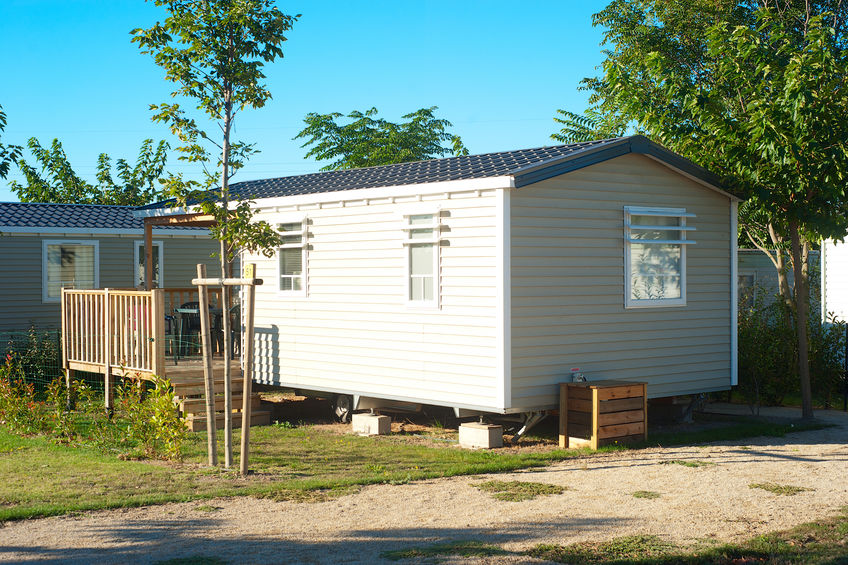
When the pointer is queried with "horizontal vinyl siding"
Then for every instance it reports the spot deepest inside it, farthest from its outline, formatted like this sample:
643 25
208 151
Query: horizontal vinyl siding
21 303
355 333
567 285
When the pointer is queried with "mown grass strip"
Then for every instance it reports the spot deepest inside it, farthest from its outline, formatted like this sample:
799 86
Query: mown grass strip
455 548
517 491
780 490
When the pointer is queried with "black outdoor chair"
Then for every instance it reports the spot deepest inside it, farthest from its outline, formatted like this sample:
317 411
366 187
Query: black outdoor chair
189 324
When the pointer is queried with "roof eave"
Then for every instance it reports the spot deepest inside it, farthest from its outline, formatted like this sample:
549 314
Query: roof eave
633 144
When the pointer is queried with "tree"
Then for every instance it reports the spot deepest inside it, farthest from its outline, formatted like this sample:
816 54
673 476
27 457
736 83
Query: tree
368 141
8 153
588 126
214 51
754 91
56 181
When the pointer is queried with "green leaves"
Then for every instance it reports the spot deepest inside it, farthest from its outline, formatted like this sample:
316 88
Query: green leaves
55 180
367 141
215 51
8 153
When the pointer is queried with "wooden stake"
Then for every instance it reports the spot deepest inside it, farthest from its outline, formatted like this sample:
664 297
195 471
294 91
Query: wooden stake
228 380
212 440
247 357
107 353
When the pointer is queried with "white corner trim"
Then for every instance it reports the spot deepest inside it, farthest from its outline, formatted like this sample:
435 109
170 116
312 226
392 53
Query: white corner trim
503 311
734 294
823 280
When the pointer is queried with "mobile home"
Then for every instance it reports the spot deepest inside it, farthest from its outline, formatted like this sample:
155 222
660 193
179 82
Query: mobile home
481 282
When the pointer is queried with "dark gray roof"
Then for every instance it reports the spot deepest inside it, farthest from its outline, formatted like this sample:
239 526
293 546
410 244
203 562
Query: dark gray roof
525 165
69 216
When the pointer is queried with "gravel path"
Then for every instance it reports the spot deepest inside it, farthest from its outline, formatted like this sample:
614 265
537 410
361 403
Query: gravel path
696 504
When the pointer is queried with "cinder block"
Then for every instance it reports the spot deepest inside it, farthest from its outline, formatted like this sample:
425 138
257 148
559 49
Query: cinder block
475 435
371 424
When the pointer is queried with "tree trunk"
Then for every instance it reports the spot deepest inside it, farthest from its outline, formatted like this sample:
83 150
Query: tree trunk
225 291
780 262
802 304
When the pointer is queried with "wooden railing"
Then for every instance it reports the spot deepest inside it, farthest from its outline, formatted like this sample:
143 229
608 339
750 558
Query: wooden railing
176 297
113 331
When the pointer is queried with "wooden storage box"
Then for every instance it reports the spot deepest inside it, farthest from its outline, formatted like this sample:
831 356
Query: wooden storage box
602 412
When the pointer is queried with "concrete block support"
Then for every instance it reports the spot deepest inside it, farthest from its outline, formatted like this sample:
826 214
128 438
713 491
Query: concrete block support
476 435
371 424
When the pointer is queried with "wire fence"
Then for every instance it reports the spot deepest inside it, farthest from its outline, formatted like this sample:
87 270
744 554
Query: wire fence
38 355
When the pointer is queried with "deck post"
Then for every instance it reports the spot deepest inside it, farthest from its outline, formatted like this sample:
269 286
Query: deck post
247 357
108 385
211 440
69 374
157 356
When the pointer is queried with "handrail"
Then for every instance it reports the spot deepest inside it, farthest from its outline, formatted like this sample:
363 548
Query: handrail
108 330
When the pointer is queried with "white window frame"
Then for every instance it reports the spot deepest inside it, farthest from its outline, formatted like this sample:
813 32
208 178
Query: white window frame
435 241
47 242
304 247
683 242
137 245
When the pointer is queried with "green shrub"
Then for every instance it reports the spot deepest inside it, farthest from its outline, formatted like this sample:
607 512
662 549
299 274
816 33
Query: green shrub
38 355
152 418
20 412
768 352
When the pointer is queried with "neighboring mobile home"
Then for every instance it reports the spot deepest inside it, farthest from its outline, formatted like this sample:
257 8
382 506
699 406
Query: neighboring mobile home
834 280
757 277
481 282
44 247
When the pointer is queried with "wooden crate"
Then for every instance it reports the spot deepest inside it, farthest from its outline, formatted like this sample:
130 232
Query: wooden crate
602 412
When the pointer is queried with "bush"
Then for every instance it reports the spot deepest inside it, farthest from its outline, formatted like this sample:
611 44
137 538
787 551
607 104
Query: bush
768 352
38 355
19 410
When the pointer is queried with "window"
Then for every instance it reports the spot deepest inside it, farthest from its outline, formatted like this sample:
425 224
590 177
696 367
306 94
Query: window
747 289
157 264
422 248
292 256
68 264
655 256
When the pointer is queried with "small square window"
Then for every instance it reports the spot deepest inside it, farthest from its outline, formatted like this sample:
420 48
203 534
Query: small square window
655 256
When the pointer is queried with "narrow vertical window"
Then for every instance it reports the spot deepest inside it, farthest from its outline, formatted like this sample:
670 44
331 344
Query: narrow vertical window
422 245
157 264
655 256
292 257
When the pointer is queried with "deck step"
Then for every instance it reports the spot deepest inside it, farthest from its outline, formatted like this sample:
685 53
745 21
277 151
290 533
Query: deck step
257 418
198 405
198 388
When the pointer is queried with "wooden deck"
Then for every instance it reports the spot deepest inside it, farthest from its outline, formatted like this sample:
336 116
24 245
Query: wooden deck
122 333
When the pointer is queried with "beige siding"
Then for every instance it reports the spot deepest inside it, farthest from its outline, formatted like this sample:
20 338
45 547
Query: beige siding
355 333
567 285
21 304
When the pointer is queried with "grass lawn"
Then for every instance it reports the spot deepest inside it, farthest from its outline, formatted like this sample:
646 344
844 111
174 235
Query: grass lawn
817 543
297 463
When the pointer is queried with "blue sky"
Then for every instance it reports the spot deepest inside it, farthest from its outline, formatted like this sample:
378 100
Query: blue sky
498 70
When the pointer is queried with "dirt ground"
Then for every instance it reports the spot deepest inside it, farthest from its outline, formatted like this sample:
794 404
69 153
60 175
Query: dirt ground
696 505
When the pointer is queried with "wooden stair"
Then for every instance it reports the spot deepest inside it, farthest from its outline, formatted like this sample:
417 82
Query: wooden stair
189 390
